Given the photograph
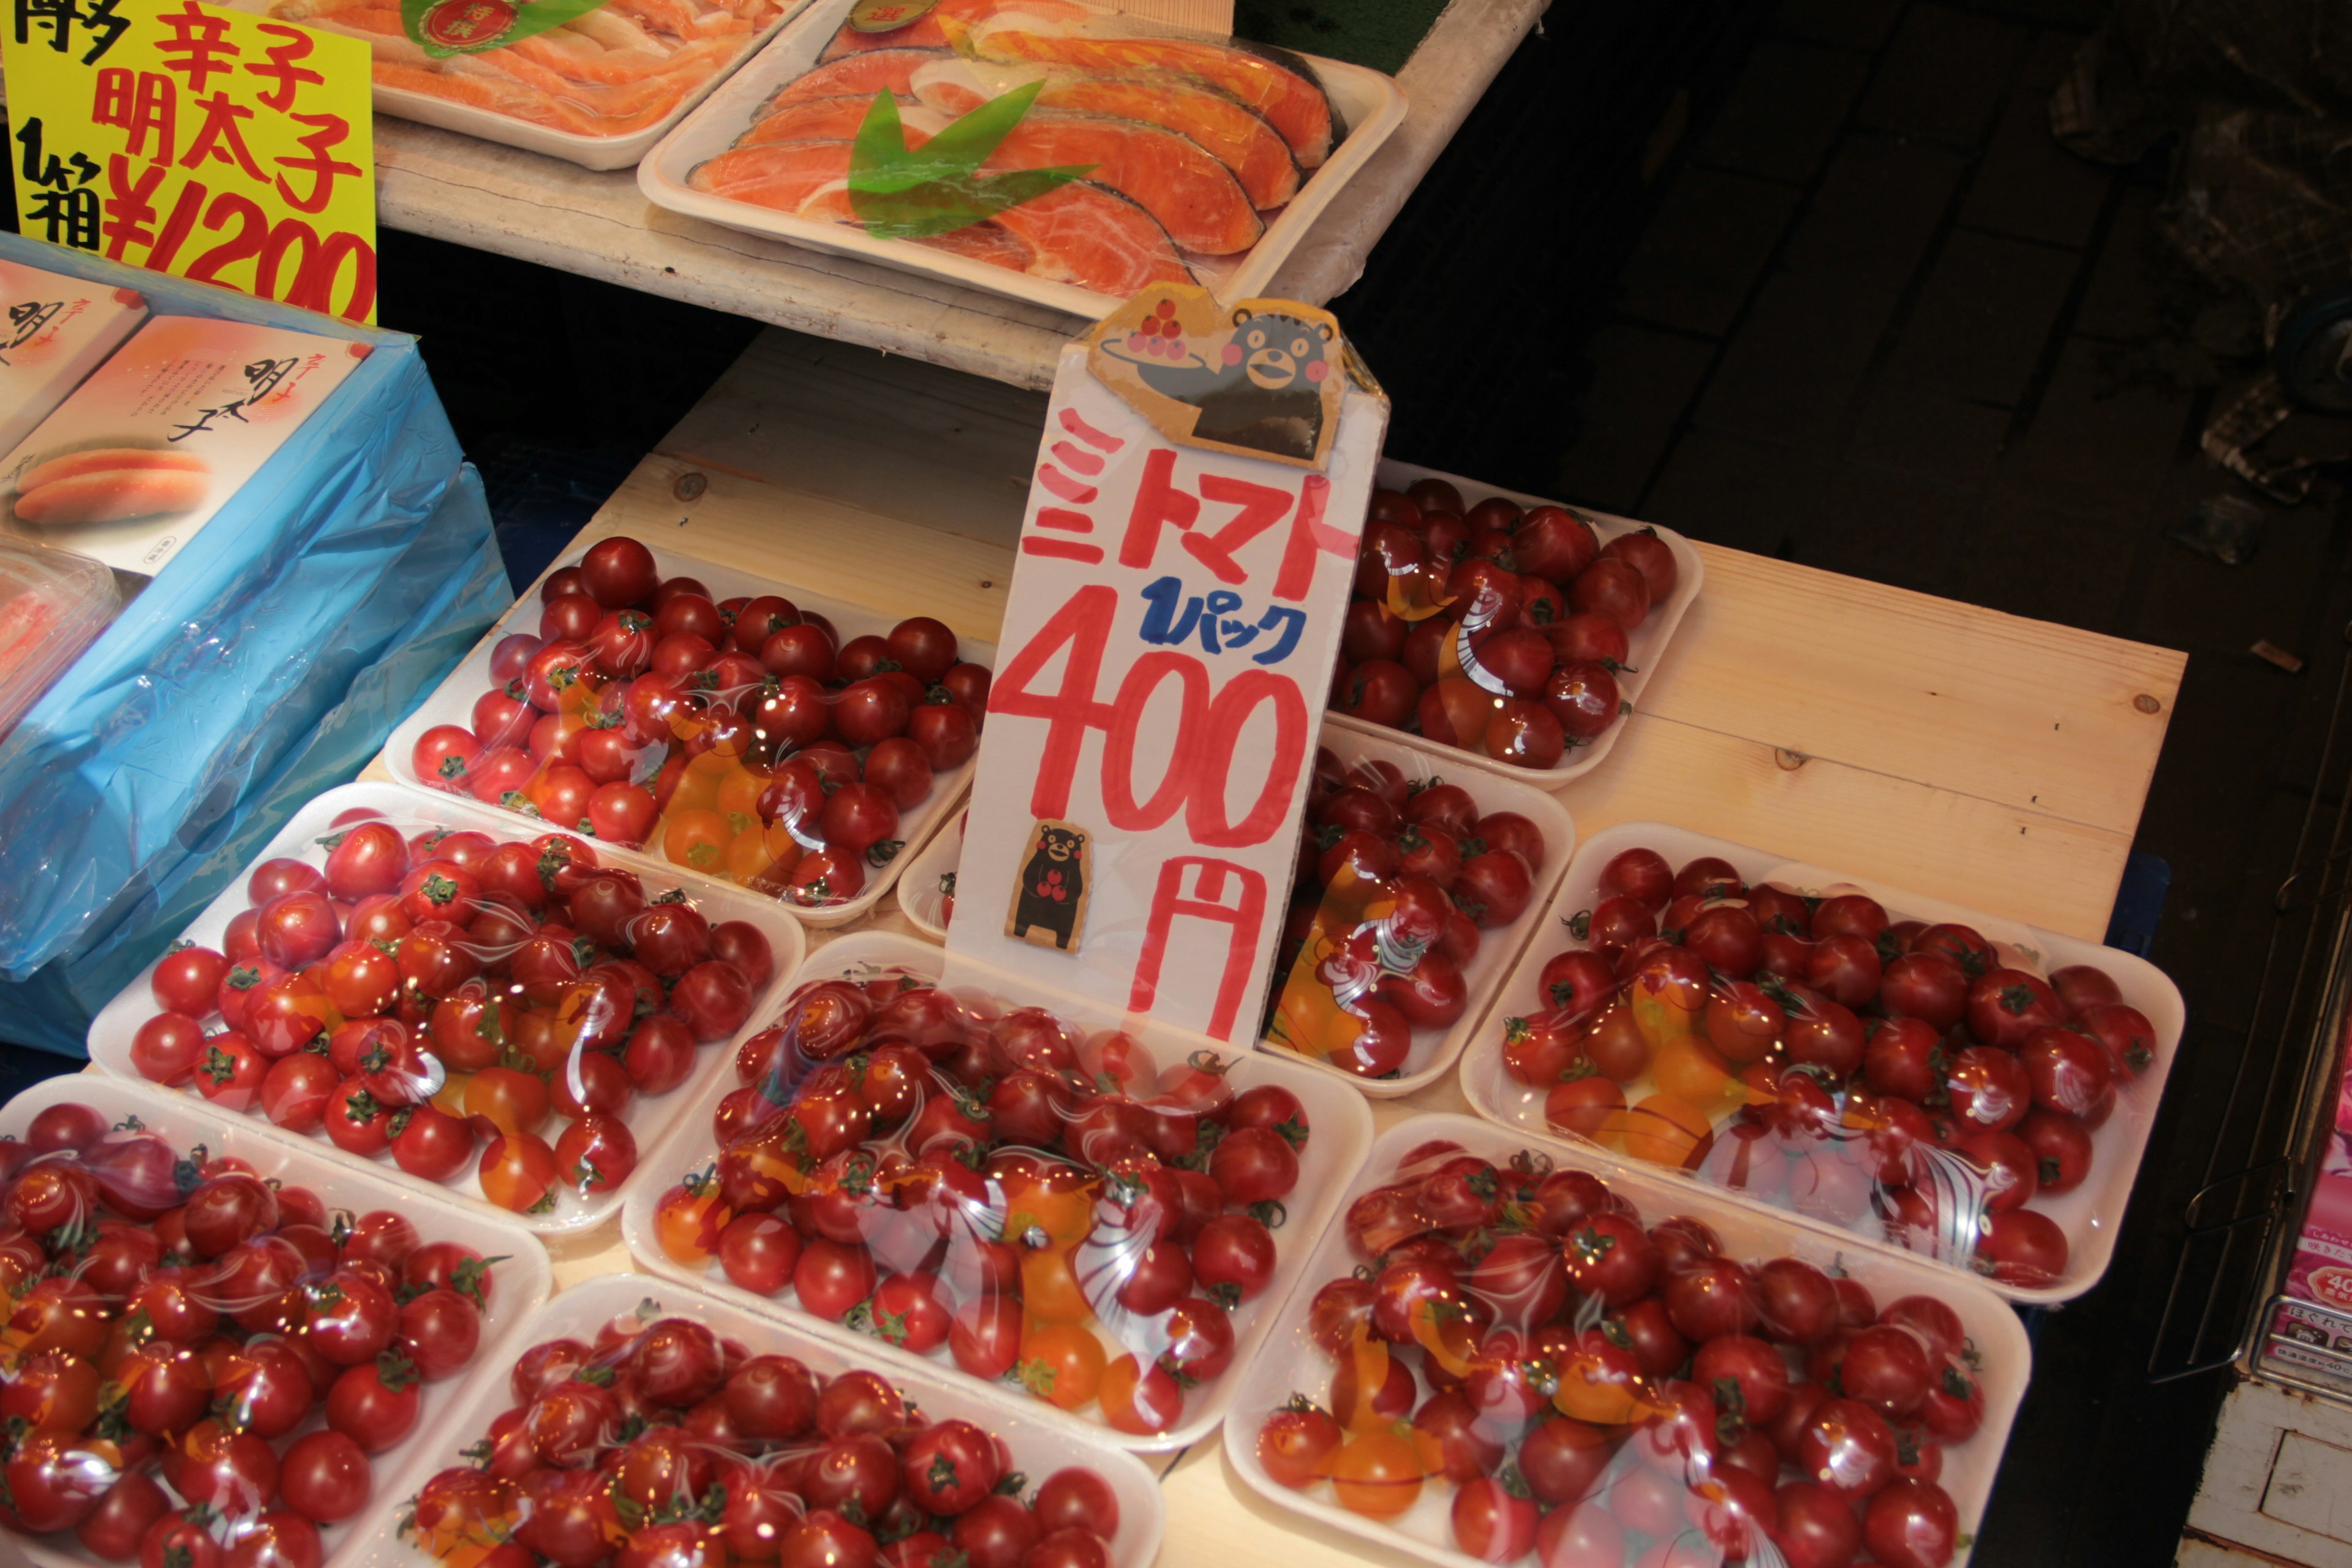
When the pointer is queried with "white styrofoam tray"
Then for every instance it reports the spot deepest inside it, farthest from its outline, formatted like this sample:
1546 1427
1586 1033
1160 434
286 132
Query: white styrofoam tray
1290 1361
1341 1131
2091 1215
599 153
922 889
452 702
650 1118
1039 1448
1646 645
1434 1051
519 1285
1372 106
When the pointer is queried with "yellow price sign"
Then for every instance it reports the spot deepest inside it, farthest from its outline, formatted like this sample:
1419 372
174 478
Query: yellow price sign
198 141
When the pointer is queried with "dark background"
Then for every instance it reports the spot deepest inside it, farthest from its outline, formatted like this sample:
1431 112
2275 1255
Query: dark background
1810 279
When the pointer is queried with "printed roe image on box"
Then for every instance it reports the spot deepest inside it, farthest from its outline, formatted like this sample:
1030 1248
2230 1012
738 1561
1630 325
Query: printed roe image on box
153 445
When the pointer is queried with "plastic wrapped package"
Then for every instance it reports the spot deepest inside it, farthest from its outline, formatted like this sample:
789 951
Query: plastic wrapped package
1508 1353
308 1332
1511 630
1921 1076
411 981
794 747
1104 1215
1415 894
701 1431
256 669
52 604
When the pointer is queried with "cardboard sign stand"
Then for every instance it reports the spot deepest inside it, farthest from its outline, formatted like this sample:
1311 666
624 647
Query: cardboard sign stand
1185 564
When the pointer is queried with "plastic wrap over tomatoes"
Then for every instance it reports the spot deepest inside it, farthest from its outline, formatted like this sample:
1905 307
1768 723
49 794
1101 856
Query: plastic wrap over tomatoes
745 738
1401 881
1497 631
202 1365
1522 1365
1817 1051
463 1006
650 1441
1046 1207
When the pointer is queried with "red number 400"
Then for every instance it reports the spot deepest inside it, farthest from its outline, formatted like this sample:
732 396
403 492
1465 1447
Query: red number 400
1208 728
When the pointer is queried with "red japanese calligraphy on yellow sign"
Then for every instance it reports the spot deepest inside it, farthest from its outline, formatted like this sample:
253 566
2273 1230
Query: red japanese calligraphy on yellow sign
198 141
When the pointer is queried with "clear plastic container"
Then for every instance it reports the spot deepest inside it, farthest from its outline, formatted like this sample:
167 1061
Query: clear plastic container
1358 949
1830 1153
1669 1497
1645 645
1039 1448
455 704
519 1280
649 1116
927 884
53 604
1093 1259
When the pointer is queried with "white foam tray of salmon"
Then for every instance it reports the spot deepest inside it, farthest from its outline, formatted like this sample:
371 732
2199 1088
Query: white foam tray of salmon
597 90
1204 162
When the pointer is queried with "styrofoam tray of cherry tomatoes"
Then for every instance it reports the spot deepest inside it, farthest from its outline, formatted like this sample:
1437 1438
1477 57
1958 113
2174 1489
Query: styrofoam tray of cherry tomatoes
1305 1134
1565 1419
1601 641
378 1420
798 1432
927 888
1979 1139
693 756
1382 808
644 1081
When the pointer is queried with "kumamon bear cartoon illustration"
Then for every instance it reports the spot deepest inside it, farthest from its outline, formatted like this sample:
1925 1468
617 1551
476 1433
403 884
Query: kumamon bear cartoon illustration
1049 902
1265 391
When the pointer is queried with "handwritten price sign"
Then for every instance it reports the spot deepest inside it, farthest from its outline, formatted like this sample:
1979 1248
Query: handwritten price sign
197 141
1168 646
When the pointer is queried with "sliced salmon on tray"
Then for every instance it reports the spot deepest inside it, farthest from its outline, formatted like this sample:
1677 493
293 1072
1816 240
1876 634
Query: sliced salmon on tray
1095 240
1080 234
1195 199
989 242
838 120
858 75
1275 83
779 174
1232 132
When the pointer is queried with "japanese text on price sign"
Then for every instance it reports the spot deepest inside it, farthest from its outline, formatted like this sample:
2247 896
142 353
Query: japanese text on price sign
1167 645
197 141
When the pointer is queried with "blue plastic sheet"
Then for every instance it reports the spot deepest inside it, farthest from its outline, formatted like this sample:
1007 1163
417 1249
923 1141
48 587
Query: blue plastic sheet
265 663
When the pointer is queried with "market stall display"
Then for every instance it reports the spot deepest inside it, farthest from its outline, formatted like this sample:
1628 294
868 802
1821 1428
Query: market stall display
1924 1076
1415 895
273 1337
1109 1218
1034 148
1484 1364
655 1422
412 982
594 82
1514 631
790 746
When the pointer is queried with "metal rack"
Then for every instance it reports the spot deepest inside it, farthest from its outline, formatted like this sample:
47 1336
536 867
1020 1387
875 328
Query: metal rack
2240 1220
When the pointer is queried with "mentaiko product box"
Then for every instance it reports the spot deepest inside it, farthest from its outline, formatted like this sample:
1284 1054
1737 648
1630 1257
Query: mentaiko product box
142 456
